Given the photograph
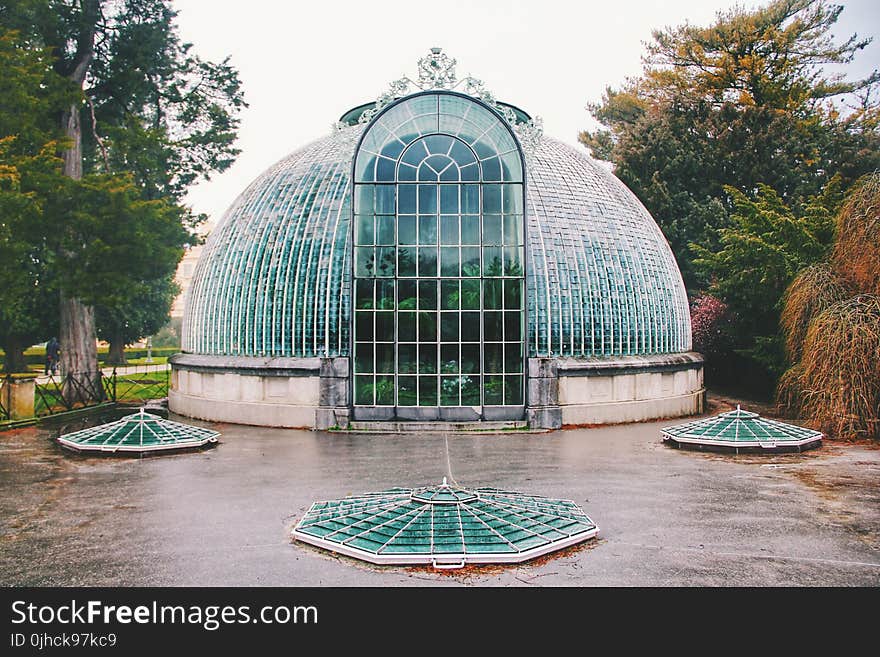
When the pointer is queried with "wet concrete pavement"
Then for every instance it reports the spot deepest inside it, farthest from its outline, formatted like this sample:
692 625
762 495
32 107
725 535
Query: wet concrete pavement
223 516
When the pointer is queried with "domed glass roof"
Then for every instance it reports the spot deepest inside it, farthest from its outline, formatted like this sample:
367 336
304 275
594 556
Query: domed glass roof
275 277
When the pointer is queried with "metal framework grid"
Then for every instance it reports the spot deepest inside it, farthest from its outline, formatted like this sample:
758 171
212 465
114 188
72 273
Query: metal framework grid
739 429
439 261
446 526
138 433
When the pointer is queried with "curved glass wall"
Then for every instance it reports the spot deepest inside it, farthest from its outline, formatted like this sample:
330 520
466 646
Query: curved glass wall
438 263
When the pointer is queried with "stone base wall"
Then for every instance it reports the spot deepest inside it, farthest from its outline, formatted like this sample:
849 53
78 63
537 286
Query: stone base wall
274 392
314 392
583 391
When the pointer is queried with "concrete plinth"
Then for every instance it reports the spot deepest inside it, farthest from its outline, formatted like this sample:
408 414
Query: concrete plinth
274 392
17 396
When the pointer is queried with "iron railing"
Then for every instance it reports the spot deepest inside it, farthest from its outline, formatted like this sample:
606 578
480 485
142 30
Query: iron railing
4 412
57 393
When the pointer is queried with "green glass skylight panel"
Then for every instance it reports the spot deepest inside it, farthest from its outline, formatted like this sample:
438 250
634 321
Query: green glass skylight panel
138 433
742 429
447 526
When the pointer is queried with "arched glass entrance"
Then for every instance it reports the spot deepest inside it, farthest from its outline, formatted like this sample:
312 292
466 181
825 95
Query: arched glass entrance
438 263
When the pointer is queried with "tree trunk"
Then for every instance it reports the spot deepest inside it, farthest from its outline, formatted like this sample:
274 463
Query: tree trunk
79 352
117 350
14 360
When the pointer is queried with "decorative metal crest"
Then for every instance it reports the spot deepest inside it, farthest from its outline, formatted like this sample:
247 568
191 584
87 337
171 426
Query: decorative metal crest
437 71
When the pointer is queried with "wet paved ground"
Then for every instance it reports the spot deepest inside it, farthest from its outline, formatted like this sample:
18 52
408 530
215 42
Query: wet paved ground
223 516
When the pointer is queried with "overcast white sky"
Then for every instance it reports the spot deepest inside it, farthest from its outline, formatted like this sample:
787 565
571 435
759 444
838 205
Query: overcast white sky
304 63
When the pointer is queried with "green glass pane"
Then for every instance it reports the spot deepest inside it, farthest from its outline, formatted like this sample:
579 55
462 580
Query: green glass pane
493 326
461 153
427 295
493 390
363 390
406 261
491 169
449 199
385 256
513 261
449 295
363 293
492 294
449 261
385 357
491 198
385 295
513 325
363 357
427 391
363 199
427 261
470 199
493 357
406 326
385 169
449 327
470 390
513 390
492 229
470 358
427 358
449 391
384 327
513 229
365 261
384 390
470 325
427 326
406 391
513 198
363 325
406 358
492 261
406 299
470 229
427 199
406 199
406 229
470 261
511 166
385 229
470 297
449 359
448 229
513 294
427 229
363 229
385 203
513 361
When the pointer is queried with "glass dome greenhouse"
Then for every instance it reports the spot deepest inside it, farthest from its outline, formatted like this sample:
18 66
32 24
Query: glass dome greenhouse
435 258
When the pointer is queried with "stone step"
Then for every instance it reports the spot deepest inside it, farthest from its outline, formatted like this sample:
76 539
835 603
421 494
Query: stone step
409 426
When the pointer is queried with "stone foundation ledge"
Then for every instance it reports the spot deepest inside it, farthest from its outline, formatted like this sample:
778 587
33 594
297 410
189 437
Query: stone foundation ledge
248 365
567 366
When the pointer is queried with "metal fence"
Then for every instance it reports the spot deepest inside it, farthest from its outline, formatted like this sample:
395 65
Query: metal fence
58 393
4 412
